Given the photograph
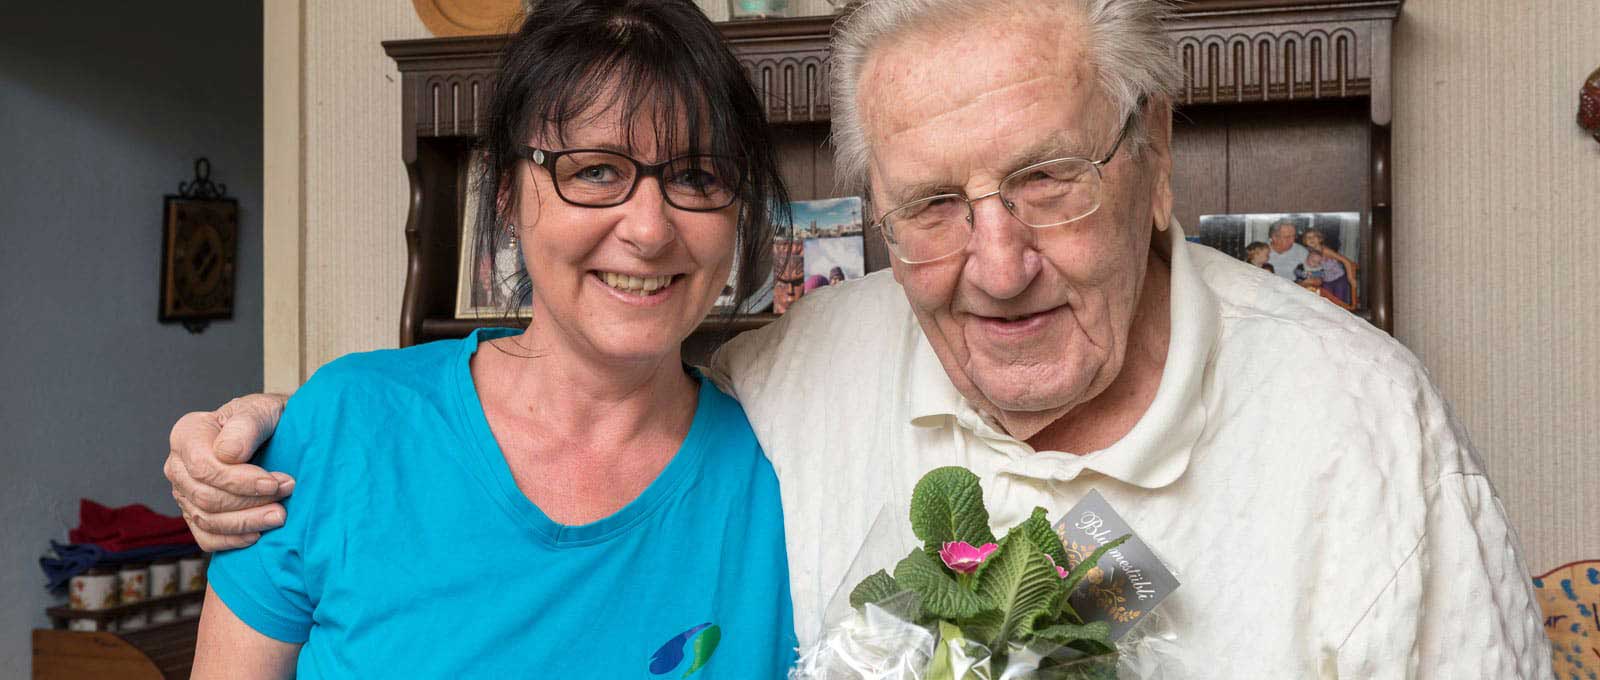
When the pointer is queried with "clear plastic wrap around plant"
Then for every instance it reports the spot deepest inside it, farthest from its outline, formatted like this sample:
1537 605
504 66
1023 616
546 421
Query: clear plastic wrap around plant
896 638
878 644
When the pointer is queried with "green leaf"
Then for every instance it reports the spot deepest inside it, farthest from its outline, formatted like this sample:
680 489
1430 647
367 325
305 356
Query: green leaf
1099 663
1066 614
1082 569
947 505
940 668
1099 631
940 595
1020 586
1093 647
704 645
1038 531
878 587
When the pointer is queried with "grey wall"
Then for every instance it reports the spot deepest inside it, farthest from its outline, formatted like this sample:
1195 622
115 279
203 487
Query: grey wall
103 108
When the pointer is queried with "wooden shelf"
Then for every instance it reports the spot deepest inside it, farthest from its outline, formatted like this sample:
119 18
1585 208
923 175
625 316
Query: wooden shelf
441 328
738 324
61 615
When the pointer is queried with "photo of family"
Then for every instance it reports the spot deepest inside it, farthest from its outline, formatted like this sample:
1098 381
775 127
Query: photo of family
1318 251
824 247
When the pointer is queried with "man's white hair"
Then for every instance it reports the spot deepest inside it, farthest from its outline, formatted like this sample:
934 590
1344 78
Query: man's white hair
1127 43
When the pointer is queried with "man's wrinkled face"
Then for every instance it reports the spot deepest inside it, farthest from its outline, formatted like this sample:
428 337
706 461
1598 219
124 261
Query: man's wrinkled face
1024 320
1282 238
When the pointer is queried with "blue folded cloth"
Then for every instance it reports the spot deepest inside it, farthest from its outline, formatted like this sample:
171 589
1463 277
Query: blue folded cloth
71 559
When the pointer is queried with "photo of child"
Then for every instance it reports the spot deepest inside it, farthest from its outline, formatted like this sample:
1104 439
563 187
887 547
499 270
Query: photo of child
1256 255
1334 270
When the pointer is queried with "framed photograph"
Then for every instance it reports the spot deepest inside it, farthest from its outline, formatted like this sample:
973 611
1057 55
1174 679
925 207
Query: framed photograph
199 247
1320 252
486 280
824 247
758 302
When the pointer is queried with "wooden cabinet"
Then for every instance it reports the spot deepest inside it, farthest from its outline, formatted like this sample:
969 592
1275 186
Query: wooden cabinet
162 652
1285 107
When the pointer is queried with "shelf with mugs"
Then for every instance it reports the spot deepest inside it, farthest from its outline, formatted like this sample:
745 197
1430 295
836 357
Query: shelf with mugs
153 638
133 595
132 620
155 611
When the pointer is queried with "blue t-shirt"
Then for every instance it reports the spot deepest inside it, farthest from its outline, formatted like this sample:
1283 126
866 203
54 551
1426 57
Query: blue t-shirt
409 551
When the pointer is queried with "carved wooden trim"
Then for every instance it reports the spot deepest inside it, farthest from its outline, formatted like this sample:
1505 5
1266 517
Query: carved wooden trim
1297 63
445 83
451 104
788 62
1236 51
1230 51
794 88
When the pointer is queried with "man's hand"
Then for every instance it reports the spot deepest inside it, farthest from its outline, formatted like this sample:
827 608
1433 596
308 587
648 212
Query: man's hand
226 501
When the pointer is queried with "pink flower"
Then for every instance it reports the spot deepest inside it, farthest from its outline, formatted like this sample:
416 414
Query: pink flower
962 557
1060 570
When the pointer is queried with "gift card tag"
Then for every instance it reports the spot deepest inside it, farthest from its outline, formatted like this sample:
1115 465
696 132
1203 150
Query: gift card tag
1129 581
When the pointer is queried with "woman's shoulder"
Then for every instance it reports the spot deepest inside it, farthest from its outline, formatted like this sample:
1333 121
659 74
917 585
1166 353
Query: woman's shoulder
369 386
418 365
353 405
721 413
725 431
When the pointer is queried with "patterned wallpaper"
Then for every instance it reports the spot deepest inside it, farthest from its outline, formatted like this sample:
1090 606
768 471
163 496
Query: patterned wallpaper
1497 204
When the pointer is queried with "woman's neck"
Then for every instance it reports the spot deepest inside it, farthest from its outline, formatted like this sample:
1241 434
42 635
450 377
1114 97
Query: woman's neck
574 396
583 437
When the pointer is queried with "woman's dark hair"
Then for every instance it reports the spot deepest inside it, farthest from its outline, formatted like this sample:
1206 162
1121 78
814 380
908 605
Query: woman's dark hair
662 58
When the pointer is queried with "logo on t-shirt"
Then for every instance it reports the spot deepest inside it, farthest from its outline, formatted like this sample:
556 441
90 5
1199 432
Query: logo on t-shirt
701 641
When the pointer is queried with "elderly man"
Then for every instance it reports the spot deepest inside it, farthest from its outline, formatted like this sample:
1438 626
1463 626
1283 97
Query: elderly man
1046 325
1282 252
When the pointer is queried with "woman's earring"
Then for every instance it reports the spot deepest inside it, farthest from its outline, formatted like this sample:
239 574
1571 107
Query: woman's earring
511 234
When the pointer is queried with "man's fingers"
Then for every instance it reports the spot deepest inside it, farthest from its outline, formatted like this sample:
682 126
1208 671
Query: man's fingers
246 423
193 435
208 498
227 503
210 542
236 486
285 483
239 522
192 441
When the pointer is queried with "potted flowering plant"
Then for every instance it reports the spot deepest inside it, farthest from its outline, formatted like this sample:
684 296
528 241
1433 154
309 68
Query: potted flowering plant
994 607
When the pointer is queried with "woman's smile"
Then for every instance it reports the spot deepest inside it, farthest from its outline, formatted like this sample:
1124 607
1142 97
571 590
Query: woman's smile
637 290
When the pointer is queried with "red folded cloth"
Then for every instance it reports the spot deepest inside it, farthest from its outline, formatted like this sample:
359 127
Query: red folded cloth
127 527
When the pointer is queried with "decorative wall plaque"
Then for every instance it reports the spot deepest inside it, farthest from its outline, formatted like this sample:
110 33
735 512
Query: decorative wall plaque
199 247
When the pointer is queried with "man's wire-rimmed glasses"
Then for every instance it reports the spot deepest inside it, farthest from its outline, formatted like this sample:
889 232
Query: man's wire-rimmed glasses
1047 194
598 178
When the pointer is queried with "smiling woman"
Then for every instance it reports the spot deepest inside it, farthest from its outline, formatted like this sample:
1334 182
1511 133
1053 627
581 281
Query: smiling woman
626 157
